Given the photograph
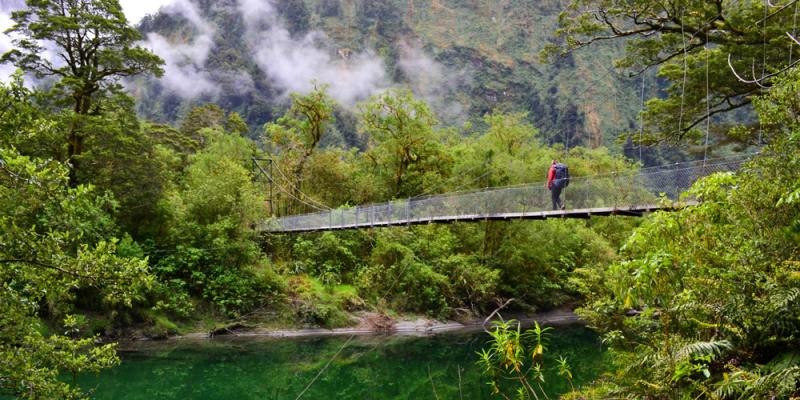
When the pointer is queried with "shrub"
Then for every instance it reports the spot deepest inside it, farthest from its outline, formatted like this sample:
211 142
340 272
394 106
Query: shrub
320 305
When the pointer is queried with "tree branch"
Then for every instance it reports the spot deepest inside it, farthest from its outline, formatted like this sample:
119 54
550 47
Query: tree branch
48 266
495 312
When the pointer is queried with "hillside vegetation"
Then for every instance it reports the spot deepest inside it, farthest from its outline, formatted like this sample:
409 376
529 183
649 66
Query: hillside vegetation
115 225
467 58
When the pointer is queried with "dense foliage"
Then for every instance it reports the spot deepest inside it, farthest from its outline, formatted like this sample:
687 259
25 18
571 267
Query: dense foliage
57 249
439 270
114 225
704 302
149 229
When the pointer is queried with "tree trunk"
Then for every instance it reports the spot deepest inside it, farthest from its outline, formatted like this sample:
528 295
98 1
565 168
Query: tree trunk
75 140
74 149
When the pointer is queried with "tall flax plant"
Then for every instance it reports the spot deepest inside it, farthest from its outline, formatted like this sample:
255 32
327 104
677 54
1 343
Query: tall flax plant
518 357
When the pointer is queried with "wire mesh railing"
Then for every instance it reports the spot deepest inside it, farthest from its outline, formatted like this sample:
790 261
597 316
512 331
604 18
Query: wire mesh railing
624 190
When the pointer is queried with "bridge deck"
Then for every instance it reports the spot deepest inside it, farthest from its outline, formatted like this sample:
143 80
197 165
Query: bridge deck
581 213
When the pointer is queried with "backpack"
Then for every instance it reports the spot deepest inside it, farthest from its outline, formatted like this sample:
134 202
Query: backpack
562 175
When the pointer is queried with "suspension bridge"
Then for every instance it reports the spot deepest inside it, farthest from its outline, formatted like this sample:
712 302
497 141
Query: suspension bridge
630 193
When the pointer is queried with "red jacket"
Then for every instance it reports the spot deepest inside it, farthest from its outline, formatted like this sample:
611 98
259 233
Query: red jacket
551 176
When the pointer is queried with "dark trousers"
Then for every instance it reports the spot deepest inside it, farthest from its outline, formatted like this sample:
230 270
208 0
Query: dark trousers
555 193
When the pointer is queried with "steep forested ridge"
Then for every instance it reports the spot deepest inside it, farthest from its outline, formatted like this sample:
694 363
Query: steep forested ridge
476 56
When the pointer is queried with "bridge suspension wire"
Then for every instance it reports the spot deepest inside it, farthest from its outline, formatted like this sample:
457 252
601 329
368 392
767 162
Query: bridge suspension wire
641 121
794 32
708 101
763 65
316 205
288 192
628 193
311 202
685 68
461 187
778 11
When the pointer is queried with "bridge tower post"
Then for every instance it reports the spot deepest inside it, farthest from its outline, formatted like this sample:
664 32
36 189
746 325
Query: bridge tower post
408 211
257 168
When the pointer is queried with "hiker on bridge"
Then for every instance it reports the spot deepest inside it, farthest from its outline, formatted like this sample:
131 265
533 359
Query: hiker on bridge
557 180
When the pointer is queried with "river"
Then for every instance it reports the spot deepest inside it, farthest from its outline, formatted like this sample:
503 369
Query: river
367 367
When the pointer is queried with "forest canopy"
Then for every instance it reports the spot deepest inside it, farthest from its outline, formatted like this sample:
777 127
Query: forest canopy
116 226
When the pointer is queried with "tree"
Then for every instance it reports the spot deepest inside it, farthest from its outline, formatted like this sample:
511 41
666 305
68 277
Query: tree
211 116
93 48
296 14
382 16
302 127
297 134
334 178
24 125
404 144
509 132
211 215
690 43
54 241
235 124
199 117
127 161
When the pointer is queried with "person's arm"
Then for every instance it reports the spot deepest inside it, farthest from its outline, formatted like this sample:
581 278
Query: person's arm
551 175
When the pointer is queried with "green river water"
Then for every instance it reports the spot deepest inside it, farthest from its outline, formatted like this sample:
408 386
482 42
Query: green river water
371 367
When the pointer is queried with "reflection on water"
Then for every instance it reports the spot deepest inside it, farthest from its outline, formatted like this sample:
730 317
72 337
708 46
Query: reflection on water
368 368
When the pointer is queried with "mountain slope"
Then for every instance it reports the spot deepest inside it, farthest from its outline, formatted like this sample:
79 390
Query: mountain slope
466 58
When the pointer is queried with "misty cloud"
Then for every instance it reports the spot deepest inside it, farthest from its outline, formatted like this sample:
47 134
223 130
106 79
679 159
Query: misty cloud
432 81
235 81
293 63
184 69
135 10
258 14
5 40
6 7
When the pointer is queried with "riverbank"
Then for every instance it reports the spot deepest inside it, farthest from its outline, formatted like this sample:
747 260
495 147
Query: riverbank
378 324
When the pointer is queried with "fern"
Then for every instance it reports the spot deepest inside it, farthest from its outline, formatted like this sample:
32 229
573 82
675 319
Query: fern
777 385
743 384
734 384
784 298
699 349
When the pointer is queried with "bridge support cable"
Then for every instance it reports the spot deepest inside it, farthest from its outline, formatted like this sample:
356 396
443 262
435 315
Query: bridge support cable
257 166
628 193
310 202
641 121
708 102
